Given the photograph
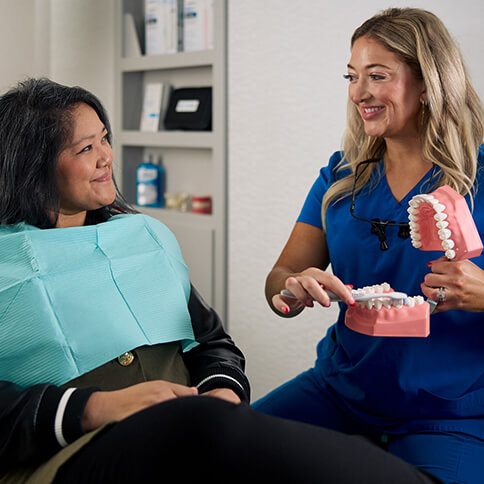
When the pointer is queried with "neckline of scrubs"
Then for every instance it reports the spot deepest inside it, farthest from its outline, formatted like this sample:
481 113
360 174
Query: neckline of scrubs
403 203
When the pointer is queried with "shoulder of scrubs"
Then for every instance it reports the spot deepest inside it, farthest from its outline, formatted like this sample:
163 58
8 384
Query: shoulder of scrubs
311 210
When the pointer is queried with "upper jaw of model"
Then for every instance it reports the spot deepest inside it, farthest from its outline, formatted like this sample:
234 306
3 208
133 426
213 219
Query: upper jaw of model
441 221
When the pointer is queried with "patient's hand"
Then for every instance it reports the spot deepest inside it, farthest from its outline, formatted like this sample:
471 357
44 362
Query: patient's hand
103 407
224 394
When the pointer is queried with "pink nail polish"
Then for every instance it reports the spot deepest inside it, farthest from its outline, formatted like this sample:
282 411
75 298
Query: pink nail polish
285 310
353 303
429 264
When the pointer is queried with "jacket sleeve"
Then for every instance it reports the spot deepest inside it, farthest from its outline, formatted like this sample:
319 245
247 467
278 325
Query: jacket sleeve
37 421
216 362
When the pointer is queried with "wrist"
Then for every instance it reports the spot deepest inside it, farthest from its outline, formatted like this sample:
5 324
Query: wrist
91 417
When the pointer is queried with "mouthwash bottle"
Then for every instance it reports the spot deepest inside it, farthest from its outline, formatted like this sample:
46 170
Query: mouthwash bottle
150 183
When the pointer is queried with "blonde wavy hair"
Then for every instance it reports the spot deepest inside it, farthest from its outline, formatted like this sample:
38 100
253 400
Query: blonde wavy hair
453 117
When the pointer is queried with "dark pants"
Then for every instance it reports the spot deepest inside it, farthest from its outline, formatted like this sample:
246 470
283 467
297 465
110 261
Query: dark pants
193 439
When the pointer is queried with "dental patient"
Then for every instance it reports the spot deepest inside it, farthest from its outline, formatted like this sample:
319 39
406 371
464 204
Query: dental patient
112 366
399 215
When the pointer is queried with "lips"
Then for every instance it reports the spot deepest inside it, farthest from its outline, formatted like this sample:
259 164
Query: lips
370 112
104 178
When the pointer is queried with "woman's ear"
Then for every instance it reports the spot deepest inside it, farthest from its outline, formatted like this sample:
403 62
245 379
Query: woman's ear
423 96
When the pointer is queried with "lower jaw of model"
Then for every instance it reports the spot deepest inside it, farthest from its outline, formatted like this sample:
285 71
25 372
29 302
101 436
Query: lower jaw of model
439 221
382 316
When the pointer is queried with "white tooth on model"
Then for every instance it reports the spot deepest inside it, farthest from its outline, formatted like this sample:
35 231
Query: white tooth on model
414 225
378 304
410 302
444 234
416 244
416 236
440 216
413 218
438 207
418 299
448 244
442 225
369 304
385 286
450 254
387 303
398 303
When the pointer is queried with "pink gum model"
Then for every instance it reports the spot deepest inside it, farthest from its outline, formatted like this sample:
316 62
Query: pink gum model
441 221
380 317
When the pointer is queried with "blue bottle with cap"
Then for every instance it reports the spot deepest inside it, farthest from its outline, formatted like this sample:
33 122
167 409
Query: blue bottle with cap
150 183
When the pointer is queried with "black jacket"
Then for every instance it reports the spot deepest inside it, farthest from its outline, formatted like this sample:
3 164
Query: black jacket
27 415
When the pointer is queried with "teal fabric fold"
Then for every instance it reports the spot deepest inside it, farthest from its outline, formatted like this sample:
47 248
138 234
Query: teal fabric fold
72 299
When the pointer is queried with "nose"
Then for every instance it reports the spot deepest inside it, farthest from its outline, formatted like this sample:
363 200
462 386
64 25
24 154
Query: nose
358 90
105 156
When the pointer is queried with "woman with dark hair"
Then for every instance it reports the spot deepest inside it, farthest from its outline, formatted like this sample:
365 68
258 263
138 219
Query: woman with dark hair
41 113
106 348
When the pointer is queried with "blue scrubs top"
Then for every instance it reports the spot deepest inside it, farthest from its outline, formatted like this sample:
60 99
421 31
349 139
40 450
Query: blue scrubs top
397 384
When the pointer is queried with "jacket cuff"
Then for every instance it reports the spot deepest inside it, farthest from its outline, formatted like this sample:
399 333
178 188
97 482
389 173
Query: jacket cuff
59 419
225 377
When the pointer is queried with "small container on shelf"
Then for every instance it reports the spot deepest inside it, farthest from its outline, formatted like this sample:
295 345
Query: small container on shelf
202 205
150 181
178 201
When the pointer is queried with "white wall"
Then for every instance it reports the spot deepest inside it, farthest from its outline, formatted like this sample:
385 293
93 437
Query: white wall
70 41
24 40
82 44
287 102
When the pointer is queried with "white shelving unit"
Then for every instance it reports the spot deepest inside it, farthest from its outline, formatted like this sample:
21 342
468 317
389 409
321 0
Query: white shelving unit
194 161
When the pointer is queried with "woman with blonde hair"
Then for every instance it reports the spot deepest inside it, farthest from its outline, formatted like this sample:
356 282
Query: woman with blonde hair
415 123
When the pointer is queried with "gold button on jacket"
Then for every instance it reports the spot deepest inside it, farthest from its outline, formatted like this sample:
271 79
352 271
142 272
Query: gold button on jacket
126 359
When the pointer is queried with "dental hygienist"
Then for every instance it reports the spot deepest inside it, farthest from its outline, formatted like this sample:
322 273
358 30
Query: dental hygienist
414 123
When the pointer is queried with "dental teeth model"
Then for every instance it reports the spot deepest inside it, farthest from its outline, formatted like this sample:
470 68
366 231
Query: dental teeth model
381 313
441 221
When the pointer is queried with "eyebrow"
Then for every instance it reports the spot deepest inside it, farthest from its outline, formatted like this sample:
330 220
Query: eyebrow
86 138
370 66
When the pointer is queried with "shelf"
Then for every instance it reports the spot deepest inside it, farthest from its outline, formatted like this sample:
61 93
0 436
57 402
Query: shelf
181 60
168 139
168 216
195 161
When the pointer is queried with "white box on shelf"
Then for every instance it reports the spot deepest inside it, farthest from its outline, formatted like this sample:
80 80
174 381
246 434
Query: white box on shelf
173 9
198 25
162 23
155 30
155 101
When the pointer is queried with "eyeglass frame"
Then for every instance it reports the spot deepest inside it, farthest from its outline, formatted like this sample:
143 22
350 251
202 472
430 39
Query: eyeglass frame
377 225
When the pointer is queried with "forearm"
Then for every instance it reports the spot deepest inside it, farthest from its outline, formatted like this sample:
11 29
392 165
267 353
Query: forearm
37 421
216 362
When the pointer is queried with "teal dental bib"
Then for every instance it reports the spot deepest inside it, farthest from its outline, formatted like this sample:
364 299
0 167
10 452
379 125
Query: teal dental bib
72 299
